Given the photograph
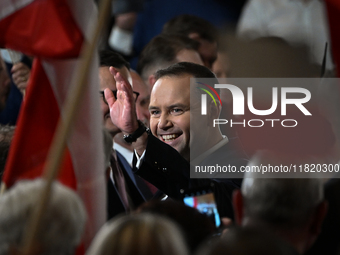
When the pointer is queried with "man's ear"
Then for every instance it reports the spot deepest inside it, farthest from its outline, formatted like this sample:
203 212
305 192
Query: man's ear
152 80
214 110
238 206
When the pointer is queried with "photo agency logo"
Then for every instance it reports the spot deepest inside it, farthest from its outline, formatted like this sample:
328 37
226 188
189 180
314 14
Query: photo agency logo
239 100
204 97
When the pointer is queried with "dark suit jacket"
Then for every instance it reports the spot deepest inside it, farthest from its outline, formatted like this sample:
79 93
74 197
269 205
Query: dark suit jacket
115 204
166 169
328 241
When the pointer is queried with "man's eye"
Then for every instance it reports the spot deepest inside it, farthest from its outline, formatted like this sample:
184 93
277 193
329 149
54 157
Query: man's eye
154 112
176 111
145 103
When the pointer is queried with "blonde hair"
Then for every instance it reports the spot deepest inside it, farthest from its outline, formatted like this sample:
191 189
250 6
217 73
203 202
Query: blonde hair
143 234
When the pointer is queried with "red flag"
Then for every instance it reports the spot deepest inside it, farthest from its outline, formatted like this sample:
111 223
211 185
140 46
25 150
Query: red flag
333 10
53 31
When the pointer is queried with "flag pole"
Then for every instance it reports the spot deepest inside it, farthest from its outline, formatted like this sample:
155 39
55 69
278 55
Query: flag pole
2 188
64 128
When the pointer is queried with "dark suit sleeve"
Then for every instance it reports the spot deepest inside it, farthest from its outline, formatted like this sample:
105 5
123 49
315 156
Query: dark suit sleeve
164 167
328 240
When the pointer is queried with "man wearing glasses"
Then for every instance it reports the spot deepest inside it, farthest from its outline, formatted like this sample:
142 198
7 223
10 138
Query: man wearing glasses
106 80
123 192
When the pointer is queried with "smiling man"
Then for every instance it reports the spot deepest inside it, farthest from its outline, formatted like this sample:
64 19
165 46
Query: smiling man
171 108
170 113
164 155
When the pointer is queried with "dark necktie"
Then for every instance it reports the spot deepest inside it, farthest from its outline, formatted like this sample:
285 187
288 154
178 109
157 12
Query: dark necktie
120 181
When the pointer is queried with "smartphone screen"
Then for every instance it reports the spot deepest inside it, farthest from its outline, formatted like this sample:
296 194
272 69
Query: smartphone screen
204 203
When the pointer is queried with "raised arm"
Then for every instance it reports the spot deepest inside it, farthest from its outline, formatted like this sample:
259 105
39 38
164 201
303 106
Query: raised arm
123 110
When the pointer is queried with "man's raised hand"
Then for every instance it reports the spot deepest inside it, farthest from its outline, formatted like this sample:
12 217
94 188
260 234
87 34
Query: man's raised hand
122 109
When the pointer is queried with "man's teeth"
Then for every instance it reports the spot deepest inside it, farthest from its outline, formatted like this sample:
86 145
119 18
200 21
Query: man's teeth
168 138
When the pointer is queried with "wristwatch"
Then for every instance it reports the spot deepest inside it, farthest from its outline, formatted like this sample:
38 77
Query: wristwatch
140 130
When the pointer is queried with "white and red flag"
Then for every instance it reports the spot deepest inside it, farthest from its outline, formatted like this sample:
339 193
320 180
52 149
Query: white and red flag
54 31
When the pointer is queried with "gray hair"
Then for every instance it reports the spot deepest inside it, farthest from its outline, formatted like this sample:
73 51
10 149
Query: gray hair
281 202
63 221
142 234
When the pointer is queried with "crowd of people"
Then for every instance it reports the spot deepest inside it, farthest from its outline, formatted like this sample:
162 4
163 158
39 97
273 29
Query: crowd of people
155 135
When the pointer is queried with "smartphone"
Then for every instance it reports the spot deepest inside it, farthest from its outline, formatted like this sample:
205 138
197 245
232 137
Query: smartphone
203 200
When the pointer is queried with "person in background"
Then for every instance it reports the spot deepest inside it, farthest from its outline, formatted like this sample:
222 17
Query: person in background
142 110
143 101
163 51
63 221
123 192
156 13
125 149
292 209
246 241
199 30
142 234
20 75
10 113
301 22
221 68
196 227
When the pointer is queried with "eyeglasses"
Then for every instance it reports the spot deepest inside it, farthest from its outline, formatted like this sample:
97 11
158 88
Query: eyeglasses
135 95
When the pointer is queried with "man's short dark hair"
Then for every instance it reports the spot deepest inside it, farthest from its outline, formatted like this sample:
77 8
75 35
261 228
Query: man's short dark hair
163 49
186 68
111 58
186 24
183 68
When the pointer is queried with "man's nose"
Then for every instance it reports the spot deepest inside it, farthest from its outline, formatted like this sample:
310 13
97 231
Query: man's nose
164 122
